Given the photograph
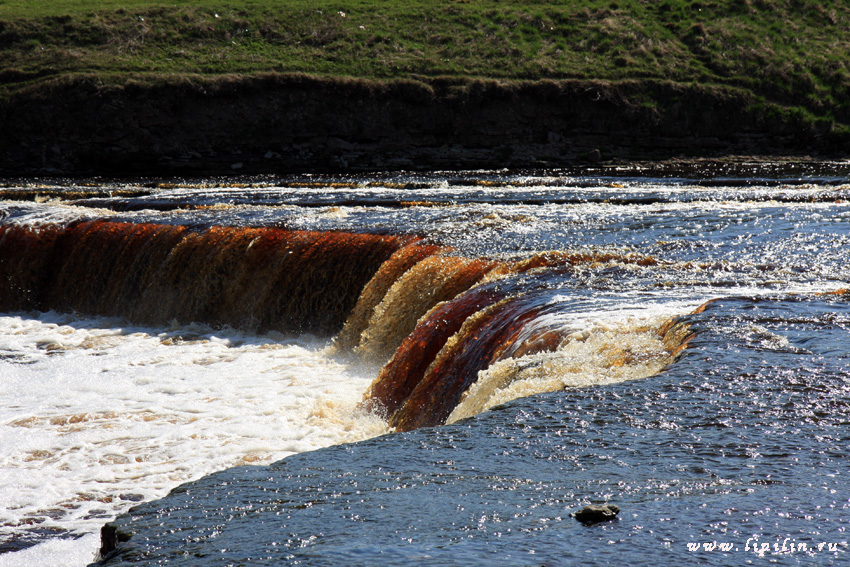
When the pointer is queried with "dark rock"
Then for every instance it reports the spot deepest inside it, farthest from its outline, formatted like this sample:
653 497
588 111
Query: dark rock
279 123
110 540
594 514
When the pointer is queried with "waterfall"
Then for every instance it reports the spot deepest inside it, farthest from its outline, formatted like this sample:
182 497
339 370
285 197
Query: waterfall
435 319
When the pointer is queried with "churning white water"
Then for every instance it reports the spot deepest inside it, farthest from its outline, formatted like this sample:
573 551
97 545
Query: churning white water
96 415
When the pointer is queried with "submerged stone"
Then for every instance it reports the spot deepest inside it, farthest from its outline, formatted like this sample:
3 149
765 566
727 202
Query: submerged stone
594 514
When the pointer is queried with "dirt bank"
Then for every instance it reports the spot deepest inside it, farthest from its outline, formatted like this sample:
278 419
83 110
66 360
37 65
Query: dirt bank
174 125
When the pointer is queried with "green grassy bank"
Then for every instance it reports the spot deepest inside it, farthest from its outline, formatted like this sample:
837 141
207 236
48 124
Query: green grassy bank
787 60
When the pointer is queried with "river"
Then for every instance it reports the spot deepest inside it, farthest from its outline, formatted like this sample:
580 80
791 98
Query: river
428 368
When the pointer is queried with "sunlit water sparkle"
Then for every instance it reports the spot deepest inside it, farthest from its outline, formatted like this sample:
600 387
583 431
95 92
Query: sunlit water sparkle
745 435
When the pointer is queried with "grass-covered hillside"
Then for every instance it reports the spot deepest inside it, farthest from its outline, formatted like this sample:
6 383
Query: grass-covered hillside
671 68
791 51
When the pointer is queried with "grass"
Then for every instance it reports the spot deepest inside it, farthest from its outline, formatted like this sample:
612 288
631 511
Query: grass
792 52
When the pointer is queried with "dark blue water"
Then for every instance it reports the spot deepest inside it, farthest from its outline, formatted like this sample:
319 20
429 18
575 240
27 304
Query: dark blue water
735 454
743 442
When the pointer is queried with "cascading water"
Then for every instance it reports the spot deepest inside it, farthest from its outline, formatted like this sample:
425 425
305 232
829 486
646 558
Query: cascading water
195 327
252 278
261 279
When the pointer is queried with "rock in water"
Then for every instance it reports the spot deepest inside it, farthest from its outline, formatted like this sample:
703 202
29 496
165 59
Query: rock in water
593 514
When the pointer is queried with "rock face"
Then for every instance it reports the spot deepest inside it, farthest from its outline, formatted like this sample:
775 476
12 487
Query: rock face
296 123
110 539
594 514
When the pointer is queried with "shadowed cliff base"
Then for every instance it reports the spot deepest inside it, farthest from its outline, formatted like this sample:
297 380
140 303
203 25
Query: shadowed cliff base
284 123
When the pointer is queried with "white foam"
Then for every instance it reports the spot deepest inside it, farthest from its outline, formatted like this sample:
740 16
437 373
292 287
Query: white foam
55 553
56 213
95 416
602 352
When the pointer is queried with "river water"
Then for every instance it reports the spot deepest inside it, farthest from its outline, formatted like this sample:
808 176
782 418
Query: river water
558 380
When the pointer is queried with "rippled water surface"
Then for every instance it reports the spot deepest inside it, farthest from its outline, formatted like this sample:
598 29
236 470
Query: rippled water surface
743 443
731 451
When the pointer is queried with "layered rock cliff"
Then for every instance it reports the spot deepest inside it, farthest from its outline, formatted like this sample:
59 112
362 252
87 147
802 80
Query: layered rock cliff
277 123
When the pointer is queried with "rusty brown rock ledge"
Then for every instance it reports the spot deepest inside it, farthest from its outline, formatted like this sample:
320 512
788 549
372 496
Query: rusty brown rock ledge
284 123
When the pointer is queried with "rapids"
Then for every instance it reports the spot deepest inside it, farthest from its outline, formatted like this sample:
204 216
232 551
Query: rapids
155 332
